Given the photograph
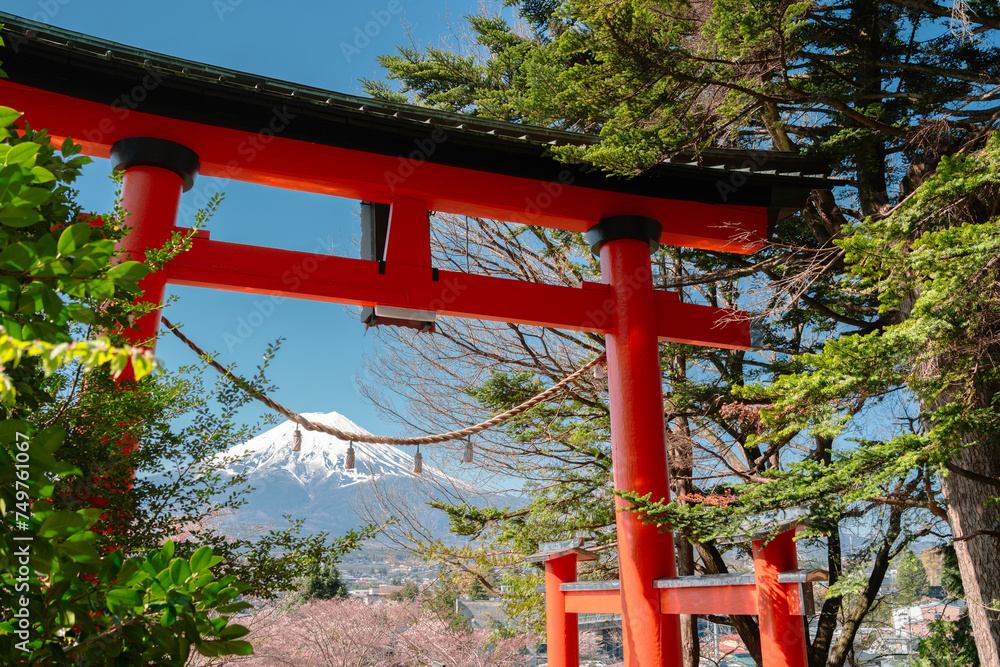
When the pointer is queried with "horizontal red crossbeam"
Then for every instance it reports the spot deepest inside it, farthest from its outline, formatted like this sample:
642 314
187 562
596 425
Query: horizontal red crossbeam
286 273
593 602
270 159
736 599
730 599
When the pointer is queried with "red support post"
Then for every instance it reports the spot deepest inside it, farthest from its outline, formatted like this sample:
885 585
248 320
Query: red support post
561 628
150 197
638 442
155 173
408 240
782 634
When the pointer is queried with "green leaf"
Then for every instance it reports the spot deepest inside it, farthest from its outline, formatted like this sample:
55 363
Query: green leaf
51 302
13 327
129 573
73 237
22 152
208 649
17 257
20 216
128 274
56 524
111 565
179 571
169 616
42 175
32 196
102 290
10 289
167 551
47 441
45 248
239 647
68 148
202 559
8 116
79 552
233 632
80 313
122 600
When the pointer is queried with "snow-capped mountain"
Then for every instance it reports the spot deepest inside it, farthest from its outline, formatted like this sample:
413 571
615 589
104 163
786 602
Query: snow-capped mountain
314 485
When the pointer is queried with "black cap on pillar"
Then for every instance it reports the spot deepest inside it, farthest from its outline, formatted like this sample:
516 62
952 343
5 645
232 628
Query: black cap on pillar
619 227
153 152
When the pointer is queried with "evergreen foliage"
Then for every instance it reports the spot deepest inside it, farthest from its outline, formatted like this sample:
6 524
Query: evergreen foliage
878 302
949 644
911 578
477 591
325 584
951 578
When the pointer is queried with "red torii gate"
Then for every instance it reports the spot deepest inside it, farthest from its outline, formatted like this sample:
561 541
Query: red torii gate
777 592
163 121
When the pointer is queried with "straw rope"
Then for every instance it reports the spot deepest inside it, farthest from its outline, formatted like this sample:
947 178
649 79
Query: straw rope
383 439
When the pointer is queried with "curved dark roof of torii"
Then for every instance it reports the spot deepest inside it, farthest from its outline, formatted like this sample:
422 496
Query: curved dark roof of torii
98 70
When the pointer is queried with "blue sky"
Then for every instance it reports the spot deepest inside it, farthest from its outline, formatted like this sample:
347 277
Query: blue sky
315 43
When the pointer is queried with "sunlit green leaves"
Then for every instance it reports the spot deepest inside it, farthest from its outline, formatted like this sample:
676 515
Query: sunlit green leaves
8 116
20 154
128 274
73 237
90 354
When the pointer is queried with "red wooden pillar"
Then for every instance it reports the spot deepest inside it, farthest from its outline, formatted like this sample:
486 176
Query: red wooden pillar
155 173
561 629
782 635
638 441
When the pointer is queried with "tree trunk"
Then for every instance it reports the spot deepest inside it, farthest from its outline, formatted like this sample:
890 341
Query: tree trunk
858 606
681 466
974 521
871 153
819 651
689 624
975 526
746 626
680 457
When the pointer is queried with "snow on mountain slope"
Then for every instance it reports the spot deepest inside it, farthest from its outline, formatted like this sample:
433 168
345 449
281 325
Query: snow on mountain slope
314 485
322 455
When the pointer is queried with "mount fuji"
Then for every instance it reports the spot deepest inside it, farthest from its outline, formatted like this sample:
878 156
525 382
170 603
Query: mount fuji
312 484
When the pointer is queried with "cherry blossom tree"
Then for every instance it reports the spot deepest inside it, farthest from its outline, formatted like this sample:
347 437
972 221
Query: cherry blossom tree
351 633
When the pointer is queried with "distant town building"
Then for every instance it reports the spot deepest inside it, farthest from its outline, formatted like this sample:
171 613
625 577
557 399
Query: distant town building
914 620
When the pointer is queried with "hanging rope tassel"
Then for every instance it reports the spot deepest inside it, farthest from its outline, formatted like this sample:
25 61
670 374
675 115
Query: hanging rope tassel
349 460
385 439
418 462
297 440
467 454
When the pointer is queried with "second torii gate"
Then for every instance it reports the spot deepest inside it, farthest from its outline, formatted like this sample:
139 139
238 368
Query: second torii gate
163 120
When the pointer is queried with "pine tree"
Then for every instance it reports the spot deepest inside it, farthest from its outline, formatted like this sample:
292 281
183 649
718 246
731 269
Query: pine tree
325 584
911 578
477 591
951 578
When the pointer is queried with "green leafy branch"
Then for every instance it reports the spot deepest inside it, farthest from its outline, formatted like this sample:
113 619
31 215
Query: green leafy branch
90 353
